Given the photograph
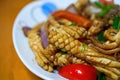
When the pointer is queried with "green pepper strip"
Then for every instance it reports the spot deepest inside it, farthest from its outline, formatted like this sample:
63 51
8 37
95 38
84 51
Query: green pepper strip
101 37
119 25
100 5
72 24
116 23
104 11
83 47
101 76
63 53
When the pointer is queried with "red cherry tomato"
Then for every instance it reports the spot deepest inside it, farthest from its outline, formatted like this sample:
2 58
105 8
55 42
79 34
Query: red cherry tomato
78 72
106 1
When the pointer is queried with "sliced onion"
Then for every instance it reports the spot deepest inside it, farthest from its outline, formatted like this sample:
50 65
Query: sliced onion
26 29
94 9
44 36
72 9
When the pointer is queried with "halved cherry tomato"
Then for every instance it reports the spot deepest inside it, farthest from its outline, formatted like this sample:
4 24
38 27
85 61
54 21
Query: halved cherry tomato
78 72
106 1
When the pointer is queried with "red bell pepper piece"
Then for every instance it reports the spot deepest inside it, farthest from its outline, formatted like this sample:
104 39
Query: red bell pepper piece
72 17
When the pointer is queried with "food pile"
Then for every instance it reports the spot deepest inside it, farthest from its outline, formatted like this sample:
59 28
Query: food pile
84 33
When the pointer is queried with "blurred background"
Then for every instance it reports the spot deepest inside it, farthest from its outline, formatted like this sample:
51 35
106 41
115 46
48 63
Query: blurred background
11 68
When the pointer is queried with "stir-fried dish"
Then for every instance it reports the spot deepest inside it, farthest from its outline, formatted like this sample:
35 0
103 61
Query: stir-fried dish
84 33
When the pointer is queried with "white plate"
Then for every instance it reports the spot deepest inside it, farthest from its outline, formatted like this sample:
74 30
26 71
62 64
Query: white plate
30 16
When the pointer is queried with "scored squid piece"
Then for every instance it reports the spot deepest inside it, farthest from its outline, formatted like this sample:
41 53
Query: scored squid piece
37 48
65 59
75 32
50 51
77 48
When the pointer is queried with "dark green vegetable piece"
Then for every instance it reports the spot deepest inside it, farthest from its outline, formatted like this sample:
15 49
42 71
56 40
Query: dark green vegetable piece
98 4
119 25
72 24
63 53
105 10
101 37
101 76
116 23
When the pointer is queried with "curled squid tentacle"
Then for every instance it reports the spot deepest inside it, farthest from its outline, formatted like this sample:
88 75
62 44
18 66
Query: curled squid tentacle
108 73
110 33
103 45
117 37
109 52
113 35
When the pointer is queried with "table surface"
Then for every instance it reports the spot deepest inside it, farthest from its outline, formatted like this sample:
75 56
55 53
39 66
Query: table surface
11 67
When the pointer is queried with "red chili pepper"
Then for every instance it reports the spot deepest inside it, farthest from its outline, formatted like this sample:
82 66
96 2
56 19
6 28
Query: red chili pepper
106 2
72 17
